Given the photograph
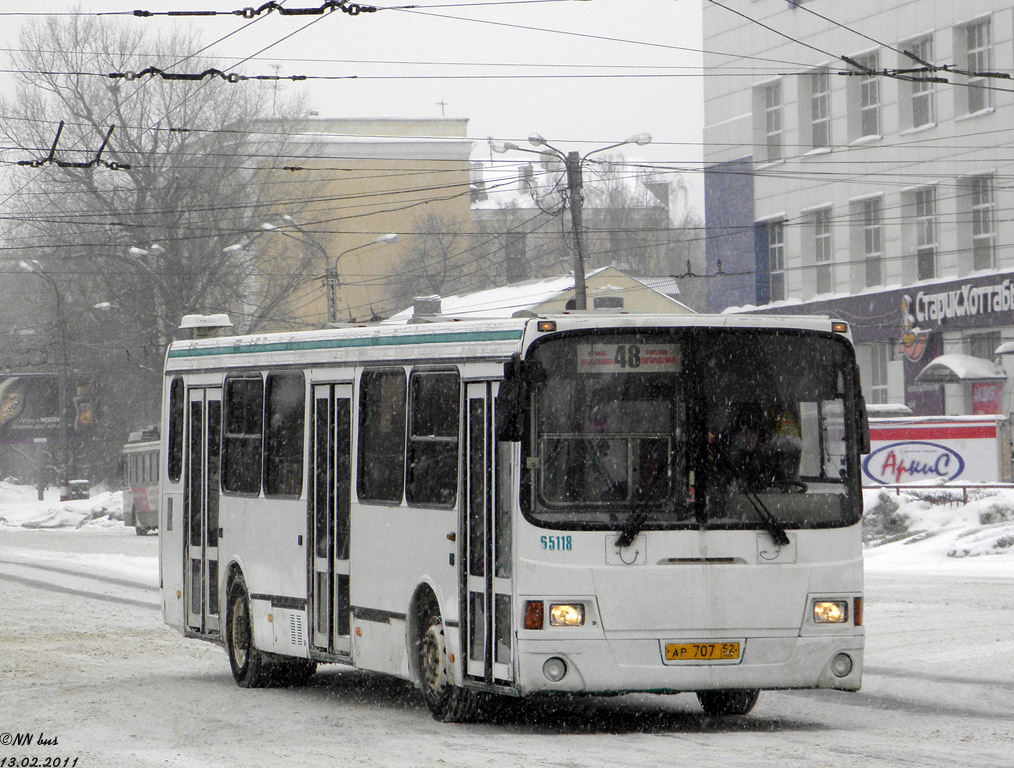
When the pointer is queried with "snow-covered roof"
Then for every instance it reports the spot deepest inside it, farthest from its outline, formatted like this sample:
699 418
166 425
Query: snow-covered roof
530 296
665 284
952 368
505 301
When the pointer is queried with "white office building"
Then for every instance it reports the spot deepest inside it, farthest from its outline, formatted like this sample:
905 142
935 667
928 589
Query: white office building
858 162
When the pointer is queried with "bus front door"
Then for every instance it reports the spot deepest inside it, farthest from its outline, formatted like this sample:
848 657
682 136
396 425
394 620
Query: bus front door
200 513
328 519
487 634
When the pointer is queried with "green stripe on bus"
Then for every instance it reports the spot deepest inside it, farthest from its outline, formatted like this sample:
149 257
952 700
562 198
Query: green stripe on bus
382 341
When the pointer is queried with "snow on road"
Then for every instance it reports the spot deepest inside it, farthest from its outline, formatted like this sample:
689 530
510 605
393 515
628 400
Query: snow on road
86 659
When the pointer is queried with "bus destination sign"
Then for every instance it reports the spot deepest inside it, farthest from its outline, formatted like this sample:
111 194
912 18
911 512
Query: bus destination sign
628 358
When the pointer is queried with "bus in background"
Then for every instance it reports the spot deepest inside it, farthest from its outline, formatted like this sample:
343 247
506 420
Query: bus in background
139 480
582 503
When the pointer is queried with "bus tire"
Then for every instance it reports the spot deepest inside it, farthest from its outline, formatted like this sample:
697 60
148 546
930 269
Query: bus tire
250 668
448 702
731 702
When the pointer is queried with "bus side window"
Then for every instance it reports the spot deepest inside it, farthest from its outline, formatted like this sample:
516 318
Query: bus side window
432 475
175 458
382 435
283 434
241 443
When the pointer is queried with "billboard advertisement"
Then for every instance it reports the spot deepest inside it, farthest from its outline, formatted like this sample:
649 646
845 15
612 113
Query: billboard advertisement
962 449
30 407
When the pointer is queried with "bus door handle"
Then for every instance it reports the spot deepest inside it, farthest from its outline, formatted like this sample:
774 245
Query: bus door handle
220 532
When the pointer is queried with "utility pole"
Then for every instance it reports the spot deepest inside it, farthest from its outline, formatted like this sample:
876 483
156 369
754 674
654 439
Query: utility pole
573 162
66 458
331 286
575 185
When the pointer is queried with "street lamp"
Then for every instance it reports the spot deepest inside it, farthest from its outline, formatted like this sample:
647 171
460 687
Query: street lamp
332 272
574 163
160 308
36 268
306 239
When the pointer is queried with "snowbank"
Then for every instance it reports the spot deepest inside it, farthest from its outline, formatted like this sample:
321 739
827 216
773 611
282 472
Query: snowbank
20 508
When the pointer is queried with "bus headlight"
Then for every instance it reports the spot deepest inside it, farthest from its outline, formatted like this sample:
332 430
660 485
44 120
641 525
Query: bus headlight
566 615
830 611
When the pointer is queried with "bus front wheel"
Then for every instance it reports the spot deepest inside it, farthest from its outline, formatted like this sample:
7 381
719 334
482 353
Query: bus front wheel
447 702
249 666
723 703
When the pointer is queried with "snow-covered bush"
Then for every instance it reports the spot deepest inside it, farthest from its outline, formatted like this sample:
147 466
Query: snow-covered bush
881 521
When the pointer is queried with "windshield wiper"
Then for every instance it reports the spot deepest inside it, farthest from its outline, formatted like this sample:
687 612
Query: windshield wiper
635 521
775 528
632 527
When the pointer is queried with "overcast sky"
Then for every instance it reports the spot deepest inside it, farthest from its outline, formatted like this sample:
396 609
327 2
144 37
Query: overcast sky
479 41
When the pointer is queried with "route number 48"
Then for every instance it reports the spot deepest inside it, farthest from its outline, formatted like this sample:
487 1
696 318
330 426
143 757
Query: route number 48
627 356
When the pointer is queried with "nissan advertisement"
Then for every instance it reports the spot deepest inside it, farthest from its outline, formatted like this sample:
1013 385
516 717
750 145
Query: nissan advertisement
30 407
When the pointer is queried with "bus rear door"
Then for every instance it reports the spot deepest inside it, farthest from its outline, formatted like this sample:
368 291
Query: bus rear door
200 513
488 579
328 518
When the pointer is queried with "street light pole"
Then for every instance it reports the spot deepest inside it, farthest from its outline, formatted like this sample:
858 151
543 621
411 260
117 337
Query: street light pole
332 273
330 276
574 165
61 380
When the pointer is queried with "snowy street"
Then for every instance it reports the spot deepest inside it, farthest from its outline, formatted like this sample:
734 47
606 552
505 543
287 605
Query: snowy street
85 659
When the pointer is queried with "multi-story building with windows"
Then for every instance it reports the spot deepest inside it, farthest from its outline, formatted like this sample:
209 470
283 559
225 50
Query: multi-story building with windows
857 164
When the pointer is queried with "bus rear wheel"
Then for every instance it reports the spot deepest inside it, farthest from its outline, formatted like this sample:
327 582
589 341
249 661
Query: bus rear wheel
724 703
447 702
250 668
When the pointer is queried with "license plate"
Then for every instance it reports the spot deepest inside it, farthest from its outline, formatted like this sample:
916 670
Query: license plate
721 651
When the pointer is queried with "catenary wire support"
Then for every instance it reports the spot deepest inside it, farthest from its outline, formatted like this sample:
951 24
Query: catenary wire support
352 9
50 159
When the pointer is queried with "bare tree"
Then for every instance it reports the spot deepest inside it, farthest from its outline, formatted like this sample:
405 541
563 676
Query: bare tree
145 228
437 255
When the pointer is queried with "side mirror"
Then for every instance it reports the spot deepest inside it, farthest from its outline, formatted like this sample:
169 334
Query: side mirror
512 398
864 427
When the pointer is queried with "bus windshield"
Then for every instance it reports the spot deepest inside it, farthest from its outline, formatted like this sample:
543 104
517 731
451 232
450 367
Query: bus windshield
717 428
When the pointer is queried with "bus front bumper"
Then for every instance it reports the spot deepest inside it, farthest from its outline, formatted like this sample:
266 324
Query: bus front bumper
630 665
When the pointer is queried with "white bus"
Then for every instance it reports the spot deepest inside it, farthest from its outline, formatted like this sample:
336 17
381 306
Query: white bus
522 507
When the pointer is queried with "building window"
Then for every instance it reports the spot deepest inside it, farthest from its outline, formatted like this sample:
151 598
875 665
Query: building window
767 121
981 198
880 356
977 59
926 233
923 108
773 120
873 240
983 344
863 94
608 302
776 260
820 109
822 250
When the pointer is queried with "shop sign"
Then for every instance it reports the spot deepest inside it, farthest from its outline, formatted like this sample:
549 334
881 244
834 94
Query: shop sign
912 461
986 397
933 449
967 300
